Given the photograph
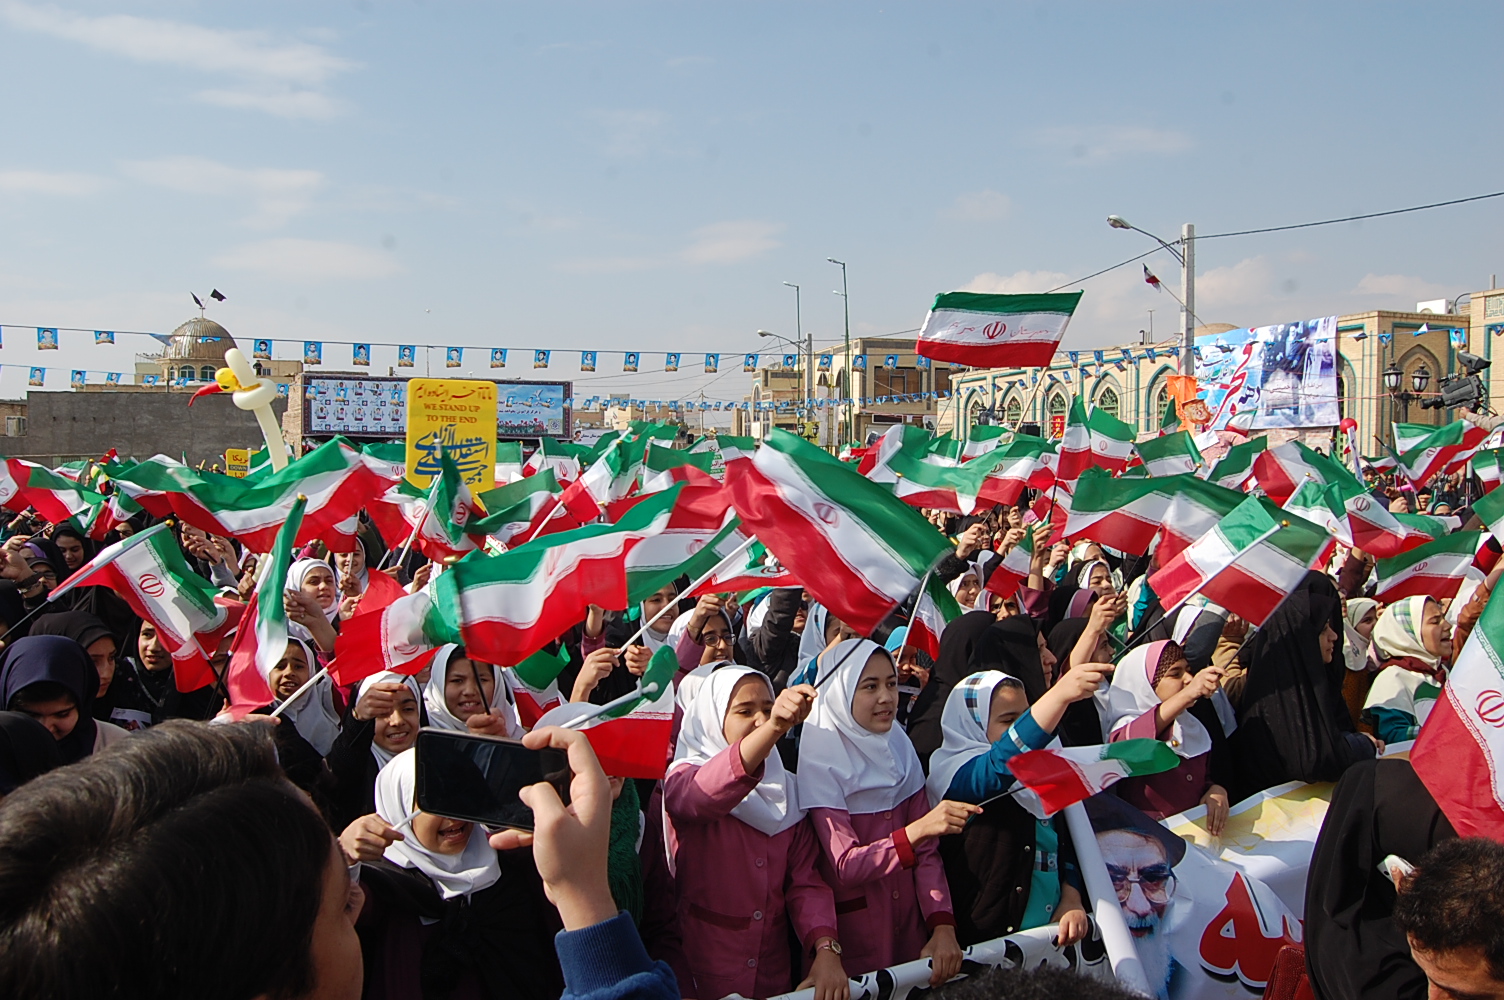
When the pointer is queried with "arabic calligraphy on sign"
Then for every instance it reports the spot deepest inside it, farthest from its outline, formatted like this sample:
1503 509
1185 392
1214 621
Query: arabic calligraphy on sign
457 416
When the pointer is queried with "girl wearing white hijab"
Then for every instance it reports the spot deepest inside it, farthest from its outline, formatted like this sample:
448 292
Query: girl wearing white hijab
313 714
445 914
1150 698
745 859
1009 870
1414 640
383 720
860 779
313 591
459 687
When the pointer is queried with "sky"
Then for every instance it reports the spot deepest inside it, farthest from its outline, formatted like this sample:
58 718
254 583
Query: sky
646 176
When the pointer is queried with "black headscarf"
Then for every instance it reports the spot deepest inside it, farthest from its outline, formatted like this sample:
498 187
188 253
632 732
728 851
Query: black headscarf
1353 949
1293 724
68 531
975 641
27 749
84 629
1082 724
39 658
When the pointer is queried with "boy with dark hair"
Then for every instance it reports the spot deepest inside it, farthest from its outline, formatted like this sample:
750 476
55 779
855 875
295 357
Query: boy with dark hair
1451 909
1032 984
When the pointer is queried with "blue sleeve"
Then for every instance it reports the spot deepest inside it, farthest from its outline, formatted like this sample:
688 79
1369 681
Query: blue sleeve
1393 726
987 775
608 962
1141 604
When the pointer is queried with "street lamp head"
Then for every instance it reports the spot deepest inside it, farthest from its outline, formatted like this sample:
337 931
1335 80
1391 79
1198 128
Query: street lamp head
838 263
1420 379
765 333
791 284
1118 222
1392 376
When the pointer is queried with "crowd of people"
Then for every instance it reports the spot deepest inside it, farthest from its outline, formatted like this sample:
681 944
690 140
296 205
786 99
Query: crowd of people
834 803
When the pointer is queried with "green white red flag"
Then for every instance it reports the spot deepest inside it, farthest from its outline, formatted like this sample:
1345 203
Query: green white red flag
1248 563
535 684
1123 514
629 737
993 331
1440 449
1065 776
1234 468
563 458
754 568
1435 569
1096 438
523 510
903 460
396 638
856 548
1170 454
663 466
261 640
1459 754
148 570
934 608
437 519
1487 467
1012 569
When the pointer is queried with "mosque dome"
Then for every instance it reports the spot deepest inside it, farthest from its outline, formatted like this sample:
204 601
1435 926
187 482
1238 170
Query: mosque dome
199 339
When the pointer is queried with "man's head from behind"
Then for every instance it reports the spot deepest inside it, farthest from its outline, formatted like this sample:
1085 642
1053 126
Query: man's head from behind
181 863
1031 984
1452 911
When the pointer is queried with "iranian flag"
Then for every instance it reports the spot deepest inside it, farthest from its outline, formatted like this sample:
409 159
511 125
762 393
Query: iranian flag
1459 754
1123 514
1065 776
754 568
508 462
335 479
934 608
1170 454
1437 450
535 684
108 515
1487 467
1490 509
1096 438
1431 570
1377 531
1025 461
994 331
856 548
611 477
980 440
509 606
1248 563
560 457
394 638
258 648
630 736
56 498
1236 467
701 531
523 510
1196 508
736 452
663 466
149 571
1282 469
1322 506
437 519
903 460
1407 436
1013 568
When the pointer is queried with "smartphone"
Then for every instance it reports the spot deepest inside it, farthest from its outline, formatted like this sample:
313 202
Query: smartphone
478 778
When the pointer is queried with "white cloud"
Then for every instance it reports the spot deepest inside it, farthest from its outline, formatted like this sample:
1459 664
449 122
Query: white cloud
730 242
1093 146
278 77
980 206
40 182
1401 286
1016 283
309 260
719 243
277 195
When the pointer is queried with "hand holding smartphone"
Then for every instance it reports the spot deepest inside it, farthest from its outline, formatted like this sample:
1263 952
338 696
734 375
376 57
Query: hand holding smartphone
479 778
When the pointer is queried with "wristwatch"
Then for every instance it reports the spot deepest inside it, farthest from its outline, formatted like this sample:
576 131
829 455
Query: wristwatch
833 946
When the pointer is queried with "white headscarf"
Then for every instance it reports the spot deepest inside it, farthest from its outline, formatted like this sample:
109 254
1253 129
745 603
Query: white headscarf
812 639
313 714
384 757
1132 694
963 727
842 765
473 869
1398 631
299 571
1358 652
500 701
773 806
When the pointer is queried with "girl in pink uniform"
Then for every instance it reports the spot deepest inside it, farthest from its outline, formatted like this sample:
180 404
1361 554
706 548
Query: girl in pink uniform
860 779
746 856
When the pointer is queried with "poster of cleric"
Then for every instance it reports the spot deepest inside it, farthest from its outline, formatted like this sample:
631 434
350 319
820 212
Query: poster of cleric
1271 377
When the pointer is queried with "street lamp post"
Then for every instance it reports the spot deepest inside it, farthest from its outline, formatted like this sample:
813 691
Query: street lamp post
809 368
1419 379
1186 255
846 368
798 350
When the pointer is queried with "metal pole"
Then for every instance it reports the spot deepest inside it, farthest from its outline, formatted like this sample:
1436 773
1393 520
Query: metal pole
1187 298
846 369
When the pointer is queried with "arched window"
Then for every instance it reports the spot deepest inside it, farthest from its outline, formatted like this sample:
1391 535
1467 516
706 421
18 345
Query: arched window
1107 402
1057 408
1161 402
1013 413
206 373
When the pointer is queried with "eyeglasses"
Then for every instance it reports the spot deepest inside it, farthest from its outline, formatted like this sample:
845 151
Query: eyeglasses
1156 881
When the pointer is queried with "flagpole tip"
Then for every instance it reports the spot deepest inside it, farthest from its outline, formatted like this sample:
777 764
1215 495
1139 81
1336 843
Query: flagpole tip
303 497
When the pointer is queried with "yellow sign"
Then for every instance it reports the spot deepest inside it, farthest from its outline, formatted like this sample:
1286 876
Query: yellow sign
237 462
457 416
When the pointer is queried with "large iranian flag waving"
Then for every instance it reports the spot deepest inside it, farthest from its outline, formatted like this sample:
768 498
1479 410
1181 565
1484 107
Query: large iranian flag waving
856 548
991 331
1459 753
149 571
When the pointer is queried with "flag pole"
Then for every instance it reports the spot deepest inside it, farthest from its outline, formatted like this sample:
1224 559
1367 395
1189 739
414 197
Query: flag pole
428 502
918 596
86 571
744 546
